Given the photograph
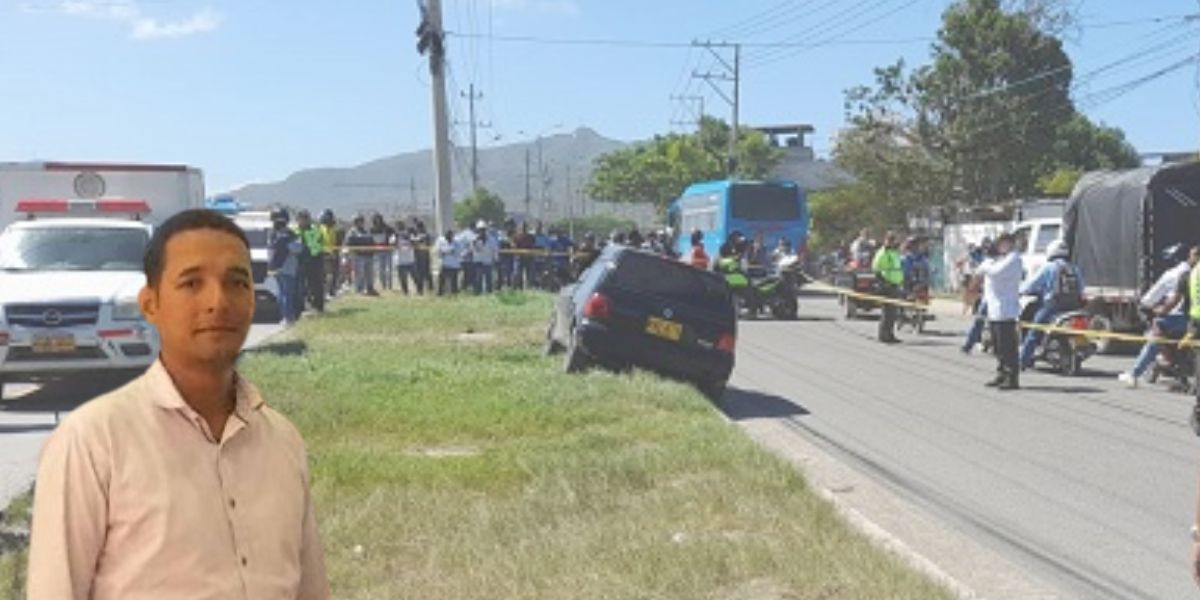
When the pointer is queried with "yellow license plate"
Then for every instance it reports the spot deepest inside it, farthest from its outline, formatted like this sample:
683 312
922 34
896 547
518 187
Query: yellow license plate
668 330
53 344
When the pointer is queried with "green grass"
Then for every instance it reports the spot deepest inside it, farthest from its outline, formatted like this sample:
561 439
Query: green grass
14 553
463 467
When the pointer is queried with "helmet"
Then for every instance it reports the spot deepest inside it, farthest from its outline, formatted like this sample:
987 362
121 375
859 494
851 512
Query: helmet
481 224
280 216
1176 254
327 217
1058 249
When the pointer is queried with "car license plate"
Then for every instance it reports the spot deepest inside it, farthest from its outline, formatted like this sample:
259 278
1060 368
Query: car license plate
53 344
668 330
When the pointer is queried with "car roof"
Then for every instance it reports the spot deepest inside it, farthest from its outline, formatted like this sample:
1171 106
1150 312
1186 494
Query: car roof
80 224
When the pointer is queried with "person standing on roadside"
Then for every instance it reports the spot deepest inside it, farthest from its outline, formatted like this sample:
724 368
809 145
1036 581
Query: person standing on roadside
383 237
286 250
423 247
1001 291
183 483
406 260
314 260
525 244
889 277
358 243
485 250
331 246
449 254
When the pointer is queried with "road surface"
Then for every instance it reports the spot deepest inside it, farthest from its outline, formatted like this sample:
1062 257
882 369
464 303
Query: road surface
1077 484
29 413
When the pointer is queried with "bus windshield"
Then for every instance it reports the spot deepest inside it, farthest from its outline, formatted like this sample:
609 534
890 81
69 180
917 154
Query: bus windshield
765 203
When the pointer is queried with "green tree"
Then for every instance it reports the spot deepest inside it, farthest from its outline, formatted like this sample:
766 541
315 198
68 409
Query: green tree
1060 183
1085 146
657 171
482 205
978 123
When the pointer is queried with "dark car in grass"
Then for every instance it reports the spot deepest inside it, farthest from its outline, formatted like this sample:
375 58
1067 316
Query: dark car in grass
636 309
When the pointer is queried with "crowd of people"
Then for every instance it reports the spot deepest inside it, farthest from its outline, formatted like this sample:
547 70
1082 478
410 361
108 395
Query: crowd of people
315 261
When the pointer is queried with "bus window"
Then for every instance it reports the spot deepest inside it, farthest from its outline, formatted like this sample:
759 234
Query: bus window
765 203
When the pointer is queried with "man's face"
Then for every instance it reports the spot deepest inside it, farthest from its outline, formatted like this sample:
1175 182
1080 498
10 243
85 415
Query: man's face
304 221
204 303
1004 246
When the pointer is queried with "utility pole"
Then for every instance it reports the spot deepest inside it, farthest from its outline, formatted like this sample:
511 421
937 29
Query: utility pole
690 101
471 97
431 40
412 193
528 196
731 74
570 204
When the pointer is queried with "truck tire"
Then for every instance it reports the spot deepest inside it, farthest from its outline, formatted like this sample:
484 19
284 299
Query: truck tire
1102 323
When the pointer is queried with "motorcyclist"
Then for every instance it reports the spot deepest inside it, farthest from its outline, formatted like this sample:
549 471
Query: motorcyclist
916 267
862 249
1168 301
730 261
1058 285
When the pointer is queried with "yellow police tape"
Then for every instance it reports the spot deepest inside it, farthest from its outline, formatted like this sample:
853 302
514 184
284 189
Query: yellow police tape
510 252
1186 342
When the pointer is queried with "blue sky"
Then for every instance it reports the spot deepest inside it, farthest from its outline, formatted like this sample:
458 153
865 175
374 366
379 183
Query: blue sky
252 90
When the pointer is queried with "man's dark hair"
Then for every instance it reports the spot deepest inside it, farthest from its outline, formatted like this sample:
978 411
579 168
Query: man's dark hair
155 259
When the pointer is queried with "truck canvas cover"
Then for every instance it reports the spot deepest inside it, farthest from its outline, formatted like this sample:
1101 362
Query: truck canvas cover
1117 223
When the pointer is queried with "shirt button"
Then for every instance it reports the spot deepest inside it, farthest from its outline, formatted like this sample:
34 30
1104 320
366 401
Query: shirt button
232 503
244 561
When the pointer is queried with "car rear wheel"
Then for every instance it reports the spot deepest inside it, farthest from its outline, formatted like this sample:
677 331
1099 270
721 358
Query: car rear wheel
714 390
575 360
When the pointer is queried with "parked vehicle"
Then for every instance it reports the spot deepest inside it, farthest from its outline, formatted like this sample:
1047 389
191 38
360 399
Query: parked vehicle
166 189
773 210
774 293
636 309
69 291
1063 352
1035 237
1117 225
257 226
859 279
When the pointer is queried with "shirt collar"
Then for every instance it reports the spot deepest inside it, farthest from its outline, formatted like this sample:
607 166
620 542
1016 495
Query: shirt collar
166 394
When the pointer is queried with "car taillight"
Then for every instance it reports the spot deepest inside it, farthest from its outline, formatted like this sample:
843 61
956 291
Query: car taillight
727 342
597 307
1080 322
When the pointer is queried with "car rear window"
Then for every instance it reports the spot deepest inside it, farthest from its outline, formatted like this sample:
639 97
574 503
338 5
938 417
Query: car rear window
671 280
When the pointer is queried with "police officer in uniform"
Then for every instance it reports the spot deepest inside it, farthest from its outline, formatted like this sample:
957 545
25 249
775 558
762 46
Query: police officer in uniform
889 277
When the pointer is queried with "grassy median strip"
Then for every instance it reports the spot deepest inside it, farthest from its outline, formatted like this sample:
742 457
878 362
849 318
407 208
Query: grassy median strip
452 461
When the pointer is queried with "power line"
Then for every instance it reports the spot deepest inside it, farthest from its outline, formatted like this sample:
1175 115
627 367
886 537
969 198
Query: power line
668 44
771 57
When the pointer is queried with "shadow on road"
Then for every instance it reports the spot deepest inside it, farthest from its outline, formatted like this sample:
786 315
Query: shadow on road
1070 389
740 405
61 396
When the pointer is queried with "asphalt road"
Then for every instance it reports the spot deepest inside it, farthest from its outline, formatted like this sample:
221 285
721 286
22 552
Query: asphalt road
1079 483
28 413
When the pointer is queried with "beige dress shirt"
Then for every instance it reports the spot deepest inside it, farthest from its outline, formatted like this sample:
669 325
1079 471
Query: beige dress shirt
135 500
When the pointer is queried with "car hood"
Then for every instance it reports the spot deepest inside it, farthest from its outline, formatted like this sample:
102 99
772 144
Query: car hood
69 286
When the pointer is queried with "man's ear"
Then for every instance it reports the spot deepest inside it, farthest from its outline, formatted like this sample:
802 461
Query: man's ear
148 302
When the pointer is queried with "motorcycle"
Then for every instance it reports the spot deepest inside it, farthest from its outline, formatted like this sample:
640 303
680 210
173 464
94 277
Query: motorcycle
1173 361
775 292
915 318
1062 351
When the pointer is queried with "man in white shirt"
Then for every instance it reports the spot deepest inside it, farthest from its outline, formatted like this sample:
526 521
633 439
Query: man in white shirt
486 249
449 251
1001 289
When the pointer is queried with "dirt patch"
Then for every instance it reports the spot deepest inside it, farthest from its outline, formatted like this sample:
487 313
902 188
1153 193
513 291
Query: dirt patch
445 452
477 337
759 589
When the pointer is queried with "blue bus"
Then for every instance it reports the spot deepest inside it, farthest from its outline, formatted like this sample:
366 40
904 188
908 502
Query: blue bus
774 209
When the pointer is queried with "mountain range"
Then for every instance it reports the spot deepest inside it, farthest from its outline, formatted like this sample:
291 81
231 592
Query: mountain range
402 185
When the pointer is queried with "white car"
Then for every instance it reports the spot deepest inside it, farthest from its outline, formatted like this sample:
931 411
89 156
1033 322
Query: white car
68 296
1037 234
257 227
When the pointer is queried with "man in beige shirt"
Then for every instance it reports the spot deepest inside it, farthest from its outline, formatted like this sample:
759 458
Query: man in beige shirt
182 484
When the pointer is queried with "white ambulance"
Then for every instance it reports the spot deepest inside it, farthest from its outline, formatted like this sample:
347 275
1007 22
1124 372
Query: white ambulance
70 273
